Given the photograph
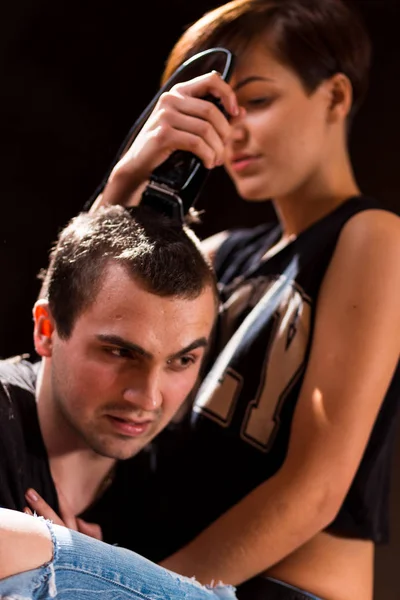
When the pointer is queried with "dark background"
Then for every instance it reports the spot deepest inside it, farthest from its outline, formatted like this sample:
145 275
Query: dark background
74 77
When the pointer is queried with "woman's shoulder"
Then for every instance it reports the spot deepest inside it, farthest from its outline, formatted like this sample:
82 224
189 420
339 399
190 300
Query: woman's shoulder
375 228
365 265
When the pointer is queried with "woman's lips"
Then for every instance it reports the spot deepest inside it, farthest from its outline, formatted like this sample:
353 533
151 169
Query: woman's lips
241 163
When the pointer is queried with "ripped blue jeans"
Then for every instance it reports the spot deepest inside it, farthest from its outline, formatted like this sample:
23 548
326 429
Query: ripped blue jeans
83 568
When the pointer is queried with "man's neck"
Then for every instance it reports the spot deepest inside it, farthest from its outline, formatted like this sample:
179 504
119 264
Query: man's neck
80 474
80 481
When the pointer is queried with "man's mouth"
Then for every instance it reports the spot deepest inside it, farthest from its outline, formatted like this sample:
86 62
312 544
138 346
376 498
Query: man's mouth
129 427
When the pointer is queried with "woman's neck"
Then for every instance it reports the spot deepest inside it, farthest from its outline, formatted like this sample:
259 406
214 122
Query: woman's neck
315 199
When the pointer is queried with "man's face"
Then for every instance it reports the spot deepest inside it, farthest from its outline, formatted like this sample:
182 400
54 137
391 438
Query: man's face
130 362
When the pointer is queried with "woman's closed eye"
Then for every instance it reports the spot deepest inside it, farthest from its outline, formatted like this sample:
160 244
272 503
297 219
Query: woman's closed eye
257 102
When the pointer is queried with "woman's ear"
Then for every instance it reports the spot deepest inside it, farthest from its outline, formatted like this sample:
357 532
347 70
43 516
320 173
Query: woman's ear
43 328
340 93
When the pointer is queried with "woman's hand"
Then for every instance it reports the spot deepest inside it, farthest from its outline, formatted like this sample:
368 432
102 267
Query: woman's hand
66 517
181 120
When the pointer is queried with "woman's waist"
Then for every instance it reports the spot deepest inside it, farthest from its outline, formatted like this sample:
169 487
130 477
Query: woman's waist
330 567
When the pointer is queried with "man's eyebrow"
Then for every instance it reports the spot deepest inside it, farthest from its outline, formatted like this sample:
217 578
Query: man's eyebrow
116 340
122 343
251 79
200 343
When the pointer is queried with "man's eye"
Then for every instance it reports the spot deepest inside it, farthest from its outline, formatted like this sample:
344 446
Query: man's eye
118 352
187 360
183 362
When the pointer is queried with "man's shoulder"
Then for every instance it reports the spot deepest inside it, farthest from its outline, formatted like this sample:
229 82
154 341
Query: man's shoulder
23 457
18 372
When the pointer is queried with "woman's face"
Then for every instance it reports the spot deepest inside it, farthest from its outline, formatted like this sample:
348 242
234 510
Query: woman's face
280 144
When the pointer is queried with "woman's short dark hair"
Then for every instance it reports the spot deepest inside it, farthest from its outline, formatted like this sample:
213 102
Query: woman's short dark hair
316 38
157 252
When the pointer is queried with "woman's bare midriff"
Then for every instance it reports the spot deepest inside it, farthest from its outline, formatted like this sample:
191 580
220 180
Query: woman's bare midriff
330 567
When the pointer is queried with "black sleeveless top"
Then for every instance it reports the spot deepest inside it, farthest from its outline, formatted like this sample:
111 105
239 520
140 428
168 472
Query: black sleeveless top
243 415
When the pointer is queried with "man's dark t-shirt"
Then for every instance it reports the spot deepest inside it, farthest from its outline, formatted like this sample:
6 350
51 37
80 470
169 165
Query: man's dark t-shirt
23 457
24 462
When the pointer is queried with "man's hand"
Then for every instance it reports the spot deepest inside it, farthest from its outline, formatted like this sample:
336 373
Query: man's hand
66 518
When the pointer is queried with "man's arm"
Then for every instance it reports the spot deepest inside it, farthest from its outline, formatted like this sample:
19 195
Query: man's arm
12 464
354 353
11 495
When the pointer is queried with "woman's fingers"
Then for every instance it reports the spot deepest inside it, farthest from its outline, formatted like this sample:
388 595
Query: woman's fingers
180 121
211 84
67 518
180 131
40 506
91 529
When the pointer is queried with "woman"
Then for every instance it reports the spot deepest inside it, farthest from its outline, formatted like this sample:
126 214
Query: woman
286 463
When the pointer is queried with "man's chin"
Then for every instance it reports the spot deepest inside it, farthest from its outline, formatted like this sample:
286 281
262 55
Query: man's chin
118 450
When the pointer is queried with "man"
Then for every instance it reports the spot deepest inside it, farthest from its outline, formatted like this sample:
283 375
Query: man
122 328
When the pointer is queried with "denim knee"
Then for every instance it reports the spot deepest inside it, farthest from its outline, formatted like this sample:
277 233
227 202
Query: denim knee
82 568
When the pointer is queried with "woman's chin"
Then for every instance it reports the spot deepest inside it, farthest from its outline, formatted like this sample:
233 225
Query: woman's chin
253 198
252 194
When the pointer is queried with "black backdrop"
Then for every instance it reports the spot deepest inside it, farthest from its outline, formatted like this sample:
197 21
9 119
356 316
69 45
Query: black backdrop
74 76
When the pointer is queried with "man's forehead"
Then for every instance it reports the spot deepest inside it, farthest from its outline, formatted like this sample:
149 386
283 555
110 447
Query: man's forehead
129 308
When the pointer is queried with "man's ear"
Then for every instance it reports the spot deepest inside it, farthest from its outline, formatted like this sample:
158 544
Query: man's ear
340 95
43 328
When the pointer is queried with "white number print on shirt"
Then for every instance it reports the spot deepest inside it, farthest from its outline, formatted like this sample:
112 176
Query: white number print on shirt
285 353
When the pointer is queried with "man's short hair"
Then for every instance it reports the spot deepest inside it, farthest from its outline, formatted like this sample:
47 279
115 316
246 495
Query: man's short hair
161 254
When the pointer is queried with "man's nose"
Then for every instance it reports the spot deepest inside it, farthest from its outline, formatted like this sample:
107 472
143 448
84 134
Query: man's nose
144 390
